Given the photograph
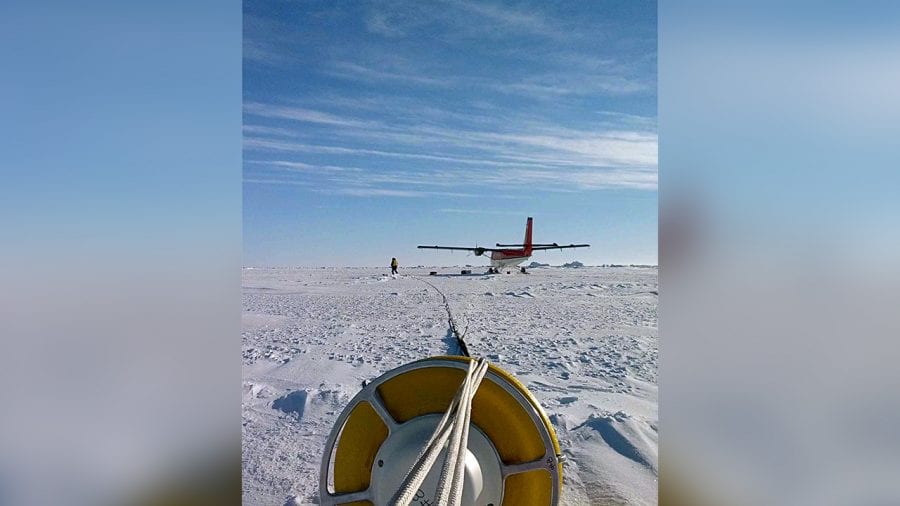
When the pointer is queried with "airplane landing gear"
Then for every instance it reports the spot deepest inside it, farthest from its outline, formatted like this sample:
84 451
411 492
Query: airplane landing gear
523 271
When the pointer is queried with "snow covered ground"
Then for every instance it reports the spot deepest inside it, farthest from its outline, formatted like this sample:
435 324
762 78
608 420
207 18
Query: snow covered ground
583 340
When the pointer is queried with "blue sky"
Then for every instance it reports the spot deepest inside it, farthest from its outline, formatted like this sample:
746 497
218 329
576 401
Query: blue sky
122 137
372 127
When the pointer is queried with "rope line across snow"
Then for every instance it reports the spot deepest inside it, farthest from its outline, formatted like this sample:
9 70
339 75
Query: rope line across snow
460 337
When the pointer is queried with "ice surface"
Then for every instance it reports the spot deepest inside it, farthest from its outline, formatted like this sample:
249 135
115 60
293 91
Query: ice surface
584 341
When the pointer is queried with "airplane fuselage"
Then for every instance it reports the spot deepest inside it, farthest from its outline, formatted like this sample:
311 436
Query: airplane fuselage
508 258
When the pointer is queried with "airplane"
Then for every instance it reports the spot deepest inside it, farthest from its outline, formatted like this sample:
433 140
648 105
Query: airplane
508 255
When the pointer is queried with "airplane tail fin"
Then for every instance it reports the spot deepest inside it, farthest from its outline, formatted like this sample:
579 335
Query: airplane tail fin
527 242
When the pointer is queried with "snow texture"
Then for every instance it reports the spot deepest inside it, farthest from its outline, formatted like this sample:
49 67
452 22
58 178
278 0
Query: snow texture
583 341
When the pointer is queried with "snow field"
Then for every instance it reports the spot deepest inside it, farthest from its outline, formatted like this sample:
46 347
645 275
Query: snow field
583 341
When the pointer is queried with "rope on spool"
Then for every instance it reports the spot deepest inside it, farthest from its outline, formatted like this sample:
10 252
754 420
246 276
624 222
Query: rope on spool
453 426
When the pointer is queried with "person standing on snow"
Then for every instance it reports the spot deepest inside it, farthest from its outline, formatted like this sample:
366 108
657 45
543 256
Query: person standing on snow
394 266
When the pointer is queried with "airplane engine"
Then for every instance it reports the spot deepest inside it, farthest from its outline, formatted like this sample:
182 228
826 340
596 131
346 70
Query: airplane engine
478 251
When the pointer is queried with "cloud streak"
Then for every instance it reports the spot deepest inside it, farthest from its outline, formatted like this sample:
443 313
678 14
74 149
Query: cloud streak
301 114
541 146
351 70
483 212
416 158
486 181
494 17
277 145
388 192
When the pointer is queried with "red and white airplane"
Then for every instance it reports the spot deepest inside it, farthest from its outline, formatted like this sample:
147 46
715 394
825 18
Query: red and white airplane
507 255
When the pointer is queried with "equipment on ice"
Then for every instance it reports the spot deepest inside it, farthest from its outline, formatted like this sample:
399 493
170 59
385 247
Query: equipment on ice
442 430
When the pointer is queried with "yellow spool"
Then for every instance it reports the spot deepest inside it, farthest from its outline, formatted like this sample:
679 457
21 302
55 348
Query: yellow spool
514 453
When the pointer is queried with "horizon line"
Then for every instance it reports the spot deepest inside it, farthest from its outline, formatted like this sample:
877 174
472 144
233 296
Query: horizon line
430 266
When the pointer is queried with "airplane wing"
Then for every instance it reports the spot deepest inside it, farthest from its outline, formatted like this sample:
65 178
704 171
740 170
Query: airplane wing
557 246
459 248
554 245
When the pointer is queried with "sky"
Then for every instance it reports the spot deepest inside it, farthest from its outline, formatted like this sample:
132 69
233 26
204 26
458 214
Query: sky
122 149
372 127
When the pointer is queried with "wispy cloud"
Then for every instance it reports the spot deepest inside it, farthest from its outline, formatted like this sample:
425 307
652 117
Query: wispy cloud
301 167
589 180
380 23
273 145
519 154
555 85
644 123
387 192
609 149
459 18
555 82
536 145
276 182
483 212
257 52
504 18
266 41
301 114
353 70
486 180
265 130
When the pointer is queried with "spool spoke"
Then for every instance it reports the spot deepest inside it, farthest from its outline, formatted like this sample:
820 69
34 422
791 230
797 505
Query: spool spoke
378 405
540 463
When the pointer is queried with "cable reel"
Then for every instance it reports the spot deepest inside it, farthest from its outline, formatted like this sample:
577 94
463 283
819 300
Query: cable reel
512 456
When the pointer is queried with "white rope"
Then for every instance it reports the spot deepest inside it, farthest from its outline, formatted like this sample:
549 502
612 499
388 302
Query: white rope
457 485
420 468
453 426
454 463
